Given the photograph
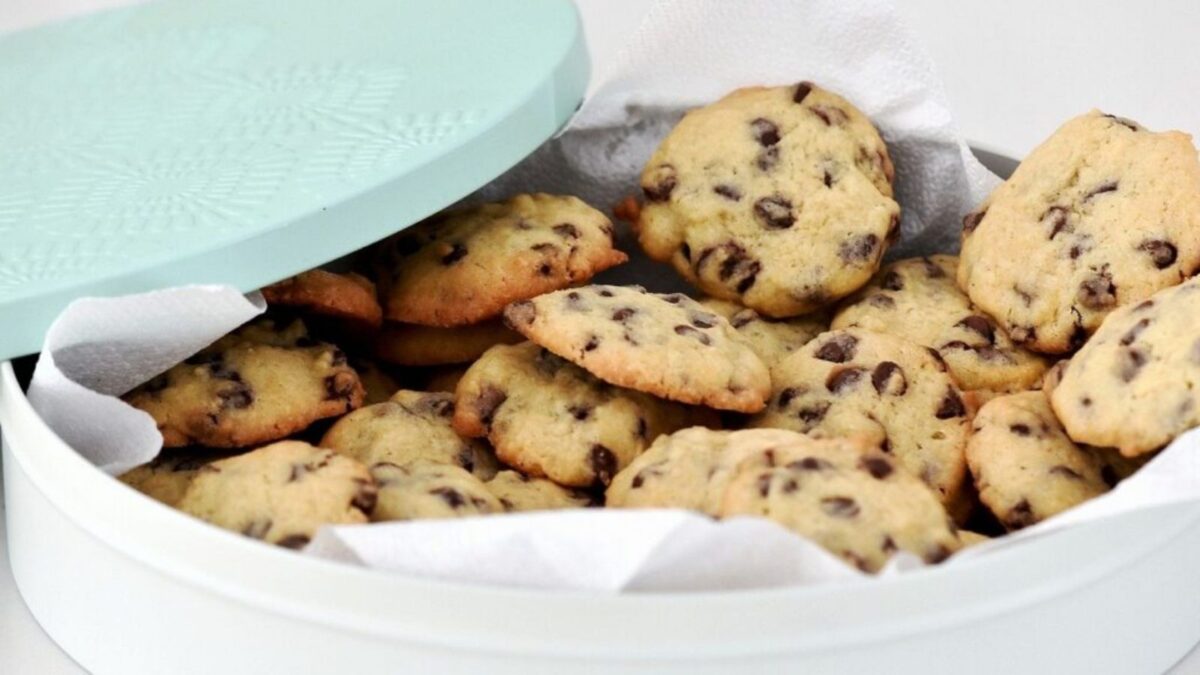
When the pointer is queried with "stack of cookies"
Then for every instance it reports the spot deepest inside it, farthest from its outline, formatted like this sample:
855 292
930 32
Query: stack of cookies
919 405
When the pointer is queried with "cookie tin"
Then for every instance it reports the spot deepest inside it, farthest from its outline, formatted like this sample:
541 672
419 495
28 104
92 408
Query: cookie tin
126 585
195 141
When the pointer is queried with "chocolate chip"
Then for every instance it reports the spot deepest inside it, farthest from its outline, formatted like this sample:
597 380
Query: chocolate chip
238 396
688 331
603 464
830 115
621 315
1162 253
828 178
838 349
1127 123
580 412
840 507
972 220
843 379
1020 429
881 301
774 213
1098 292
749 278
858 249
981 325
340 386
767 158
878 467
727 191
1130 362
1058 218
1066 472
932 269
789 486
892 281
802 91
685 251
765 131
293 541
810 464
888 378
937 358
1105 187
788 394
592 343
1133 333
1020 516
814 413
951 406
703 320
1143 305
486 403
457 252
743 318
674 298
566 230
257 529
453 498
661 183
936 554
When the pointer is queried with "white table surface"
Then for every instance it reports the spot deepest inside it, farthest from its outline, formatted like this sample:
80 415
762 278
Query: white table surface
1013 71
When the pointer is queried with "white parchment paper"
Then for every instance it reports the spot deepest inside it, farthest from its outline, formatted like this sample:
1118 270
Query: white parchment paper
684 53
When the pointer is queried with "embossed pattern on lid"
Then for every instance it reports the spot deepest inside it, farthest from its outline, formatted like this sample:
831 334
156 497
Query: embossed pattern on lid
222 141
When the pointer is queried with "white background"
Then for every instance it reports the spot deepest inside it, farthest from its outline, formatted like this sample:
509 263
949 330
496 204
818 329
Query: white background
1013 70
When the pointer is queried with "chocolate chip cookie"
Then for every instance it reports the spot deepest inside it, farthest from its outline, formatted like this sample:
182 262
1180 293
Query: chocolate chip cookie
553 419
281 493
167 476
772 339
349 297
666 345
1102 214
257 385
518 492
412 426
690 469
430 490
855 502
408 344
888 390
1025 466
777 197
1133 385
462 267
918 299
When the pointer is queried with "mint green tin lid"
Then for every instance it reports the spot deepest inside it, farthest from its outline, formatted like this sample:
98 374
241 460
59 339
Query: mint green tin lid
239 142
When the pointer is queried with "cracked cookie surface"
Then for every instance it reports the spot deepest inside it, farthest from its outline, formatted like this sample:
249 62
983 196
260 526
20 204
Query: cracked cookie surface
917 299
894 393
412 426
258 384
550 418
1103 214
777 197
1025 466
463 266
281 493
1134 384
666 345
